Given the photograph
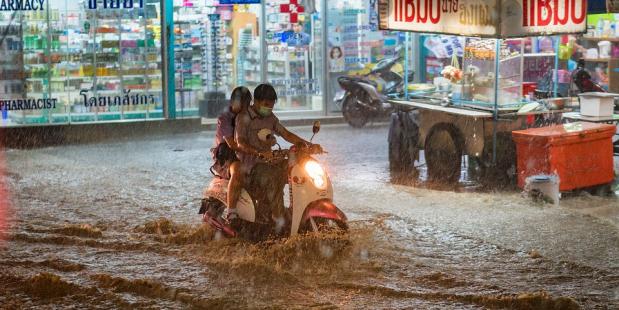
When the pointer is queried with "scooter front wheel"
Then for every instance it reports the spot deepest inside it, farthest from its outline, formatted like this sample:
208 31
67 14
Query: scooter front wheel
325 225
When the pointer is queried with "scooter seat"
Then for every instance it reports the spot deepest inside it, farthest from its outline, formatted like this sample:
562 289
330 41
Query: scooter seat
218 189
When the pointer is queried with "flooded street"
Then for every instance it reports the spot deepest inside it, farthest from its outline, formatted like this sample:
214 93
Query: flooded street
115 225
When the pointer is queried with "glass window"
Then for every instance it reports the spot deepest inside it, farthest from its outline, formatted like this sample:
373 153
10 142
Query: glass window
356 45
294 54
527 66
81 61
216 49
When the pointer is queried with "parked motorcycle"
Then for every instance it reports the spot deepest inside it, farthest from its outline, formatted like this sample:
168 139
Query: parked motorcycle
583 80
584 83
311 206
364 97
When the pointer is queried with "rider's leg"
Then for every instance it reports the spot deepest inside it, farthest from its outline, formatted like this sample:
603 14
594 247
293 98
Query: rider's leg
236 184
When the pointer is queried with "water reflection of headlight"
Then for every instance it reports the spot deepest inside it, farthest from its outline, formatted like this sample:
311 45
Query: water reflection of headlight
316 173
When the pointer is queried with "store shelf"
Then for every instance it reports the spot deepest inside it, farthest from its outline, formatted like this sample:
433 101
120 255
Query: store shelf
120 91
36 94
109 77
540 55
69 54
600 39
600 59
511 58
141 76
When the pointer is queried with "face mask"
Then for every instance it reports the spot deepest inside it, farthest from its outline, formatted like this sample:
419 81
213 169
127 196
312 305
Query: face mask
264 111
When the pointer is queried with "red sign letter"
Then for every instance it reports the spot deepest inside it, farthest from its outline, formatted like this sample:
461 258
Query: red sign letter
424 10
566 13
409 10
525 13
543 5
437 18
583 11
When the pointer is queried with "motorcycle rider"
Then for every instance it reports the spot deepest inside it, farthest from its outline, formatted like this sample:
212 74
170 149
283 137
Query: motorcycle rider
254 134
225 146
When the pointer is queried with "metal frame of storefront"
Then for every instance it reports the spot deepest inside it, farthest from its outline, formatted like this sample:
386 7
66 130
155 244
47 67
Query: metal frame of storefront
320 61
169 83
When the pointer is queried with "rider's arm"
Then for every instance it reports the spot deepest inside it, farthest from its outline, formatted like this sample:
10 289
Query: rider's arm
289 136
232 143
241 132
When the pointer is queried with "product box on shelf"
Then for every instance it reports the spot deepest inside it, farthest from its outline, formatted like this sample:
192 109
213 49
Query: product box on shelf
597 104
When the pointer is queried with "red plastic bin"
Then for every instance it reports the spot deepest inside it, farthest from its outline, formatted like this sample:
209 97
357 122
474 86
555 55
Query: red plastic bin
581 154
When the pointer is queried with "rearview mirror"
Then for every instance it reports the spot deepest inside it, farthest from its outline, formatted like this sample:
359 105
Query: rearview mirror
316 127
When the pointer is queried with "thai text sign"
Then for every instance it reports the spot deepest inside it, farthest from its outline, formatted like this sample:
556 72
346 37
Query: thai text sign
527 17
486 18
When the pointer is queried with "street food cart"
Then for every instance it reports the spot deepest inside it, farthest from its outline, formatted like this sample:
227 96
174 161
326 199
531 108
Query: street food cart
481 102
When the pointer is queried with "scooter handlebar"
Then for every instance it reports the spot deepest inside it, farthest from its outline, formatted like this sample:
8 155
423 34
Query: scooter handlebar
280 155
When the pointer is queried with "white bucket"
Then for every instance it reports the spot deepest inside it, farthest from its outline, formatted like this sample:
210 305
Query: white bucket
597 104
544 187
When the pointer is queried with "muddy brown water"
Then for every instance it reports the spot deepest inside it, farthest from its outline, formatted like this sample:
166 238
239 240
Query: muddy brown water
115 226
389 262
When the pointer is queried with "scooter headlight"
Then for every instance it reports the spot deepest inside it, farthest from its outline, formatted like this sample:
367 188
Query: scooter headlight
316 173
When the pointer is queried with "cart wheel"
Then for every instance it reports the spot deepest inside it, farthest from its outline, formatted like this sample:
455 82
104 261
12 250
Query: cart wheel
502 174
443 152
403 148
395 144
604 190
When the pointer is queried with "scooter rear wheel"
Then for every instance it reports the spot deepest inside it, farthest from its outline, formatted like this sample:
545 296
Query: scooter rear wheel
354 114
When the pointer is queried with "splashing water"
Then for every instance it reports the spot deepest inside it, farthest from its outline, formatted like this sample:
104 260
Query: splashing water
88 238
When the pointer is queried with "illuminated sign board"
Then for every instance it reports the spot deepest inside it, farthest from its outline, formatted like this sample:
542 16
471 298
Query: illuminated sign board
486 18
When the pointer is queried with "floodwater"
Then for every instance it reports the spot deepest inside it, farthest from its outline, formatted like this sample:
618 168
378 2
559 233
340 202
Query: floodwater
115 225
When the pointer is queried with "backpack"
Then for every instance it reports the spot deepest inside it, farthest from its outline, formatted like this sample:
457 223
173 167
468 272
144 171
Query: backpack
224 155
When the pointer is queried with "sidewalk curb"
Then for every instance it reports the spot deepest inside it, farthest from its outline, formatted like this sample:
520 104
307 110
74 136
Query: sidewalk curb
49 135
289 122
85 133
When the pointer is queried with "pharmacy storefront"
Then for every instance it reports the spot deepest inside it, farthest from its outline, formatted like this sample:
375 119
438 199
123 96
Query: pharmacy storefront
82 61
79 61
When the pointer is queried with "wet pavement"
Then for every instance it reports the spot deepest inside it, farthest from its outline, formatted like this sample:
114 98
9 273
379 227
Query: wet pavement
115 225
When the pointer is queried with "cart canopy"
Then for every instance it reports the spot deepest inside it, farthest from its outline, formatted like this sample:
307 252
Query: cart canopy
485 18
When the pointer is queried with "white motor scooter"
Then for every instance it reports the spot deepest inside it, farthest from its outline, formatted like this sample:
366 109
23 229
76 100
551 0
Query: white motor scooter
310 208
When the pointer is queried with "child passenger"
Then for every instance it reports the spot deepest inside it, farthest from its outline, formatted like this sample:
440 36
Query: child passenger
225 146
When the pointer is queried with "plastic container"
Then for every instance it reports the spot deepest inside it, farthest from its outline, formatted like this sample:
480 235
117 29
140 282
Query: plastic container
580 154
546 185
604 47
528 88
597 104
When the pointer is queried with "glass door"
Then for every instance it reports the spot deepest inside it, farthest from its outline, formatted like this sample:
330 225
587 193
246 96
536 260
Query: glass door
216 48
295 53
